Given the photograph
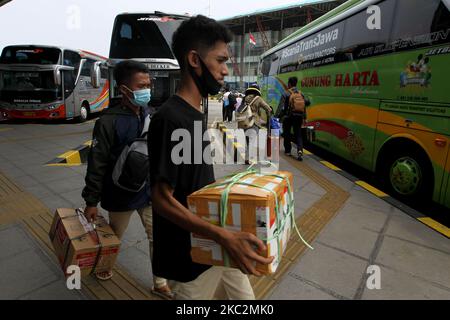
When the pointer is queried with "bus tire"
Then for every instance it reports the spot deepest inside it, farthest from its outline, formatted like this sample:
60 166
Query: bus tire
84 112
407 174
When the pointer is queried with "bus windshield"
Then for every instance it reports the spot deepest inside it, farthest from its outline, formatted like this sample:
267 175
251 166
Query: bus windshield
142 36
28 87
30 55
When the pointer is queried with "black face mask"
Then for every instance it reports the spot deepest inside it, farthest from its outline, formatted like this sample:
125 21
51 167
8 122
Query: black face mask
206 83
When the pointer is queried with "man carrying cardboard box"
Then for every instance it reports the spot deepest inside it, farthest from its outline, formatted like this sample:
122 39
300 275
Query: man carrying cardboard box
200 46
118 128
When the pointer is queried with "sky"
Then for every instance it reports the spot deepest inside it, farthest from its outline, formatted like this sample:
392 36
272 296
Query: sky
87 24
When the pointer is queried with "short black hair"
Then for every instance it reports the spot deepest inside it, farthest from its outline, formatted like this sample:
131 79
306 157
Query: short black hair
124 70
198 33
293 81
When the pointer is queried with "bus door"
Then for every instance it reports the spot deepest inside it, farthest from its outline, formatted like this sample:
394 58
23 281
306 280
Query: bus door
68 93
72 59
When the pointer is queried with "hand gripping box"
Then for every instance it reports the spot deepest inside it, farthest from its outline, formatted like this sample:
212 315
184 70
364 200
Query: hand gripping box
76 242
251 207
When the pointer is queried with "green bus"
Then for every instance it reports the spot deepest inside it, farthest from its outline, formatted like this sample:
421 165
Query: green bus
375 72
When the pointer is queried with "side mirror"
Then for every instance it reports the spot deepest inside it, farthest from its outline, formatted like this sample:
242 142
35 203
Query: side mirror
95 74
57 76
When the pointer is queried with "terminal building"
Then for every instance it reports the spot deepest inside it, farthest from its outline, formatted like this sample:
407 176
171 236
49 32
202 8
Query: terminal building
257 32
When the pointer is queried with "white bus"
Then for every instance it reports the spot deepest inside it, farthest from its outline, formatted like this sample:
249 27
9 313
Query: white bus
147 38
49 82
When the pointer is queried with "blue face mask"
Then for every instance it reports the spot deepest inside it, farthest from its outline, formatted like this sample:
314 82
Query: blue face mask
141 97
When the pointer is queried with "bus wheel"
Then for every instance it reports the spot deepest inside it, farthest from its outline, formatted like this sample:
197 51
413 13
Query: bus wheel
408 175
84 113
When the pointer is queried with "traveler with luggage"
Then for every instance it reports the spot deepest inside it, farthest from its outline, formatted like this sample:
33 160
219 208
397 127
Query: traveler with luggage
291 110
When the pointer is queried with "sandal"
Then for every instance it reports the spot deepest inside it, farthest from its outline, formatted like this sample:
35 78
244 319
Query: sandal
163 292
104 275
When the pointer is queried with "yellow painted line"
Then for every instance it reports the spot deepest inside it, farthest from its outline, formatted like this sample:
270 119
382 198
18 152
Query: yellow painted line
66 154
374 190
330 165
237 145
74 158
307 152
5 129
63 165
88 143
71 156
436 226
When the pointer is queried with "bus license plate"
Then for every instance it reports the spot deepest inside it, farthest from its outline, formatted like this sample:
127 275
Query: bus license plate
29 114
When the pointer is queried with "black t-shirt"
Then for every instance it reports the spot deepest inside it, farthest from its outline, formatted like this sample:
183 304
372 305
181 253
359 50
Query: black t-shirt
172 244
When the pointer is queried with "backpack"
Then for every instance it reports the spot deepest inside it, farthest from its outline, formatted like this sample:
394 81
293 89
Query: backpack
244 115
296 102
132 167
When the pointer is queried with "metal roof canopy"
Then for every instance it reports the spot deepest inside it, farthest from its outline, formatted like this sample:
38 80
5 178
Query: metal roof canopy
279 18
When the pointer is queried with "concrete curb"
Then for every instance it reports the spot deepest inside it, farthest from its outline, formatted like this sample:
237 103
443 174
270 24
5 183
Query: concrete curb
431 223
74 157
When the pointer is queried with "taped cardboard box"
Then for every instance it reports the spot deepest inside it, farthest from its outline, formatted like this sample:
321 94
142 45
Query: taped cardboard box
251 207
77 243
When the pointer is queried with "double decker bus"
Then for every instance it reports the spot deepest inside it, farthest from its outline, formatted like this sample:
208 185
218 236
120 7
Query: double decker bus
147 38
49 82
376 74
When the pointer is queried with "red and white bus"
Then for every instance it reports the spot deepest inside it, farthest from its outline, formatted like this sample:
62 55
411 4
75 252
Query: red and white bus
49 82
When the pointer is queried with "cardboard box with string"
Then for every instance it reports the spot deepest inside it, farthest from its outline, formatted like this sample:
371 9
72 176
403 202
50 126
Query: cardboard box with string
250 201
91 246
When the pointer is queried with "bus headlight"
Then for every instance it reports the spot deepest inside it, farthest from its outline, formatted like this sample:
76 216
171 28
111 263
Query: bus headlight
52 107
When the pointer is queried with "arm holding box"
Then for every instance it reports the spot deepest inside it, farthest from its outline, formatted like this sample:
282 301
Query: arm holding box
238 244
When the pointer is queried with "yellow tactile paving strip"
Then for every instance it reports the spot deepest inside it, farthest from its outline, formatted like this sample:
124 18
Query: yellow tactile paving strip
72 157
310 224
17 205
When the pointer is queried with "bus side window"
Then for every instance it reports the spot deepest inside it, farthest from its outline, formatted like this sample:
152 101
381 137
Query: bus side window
86 69
418 20
265 68
72 59
359 41
274 63
104 73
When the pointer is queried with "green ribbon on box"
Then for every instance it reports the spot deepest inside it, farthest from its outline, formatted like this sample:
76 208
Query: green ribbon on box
281 220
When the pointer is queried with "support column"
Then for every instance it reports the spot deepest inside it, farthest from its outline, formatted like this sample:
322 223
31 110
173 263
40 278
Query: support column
242 53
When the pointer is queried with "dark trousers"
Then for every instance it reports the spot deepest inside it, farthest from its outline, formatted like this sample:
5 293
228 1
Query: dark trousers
293 122
229 113
224 112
